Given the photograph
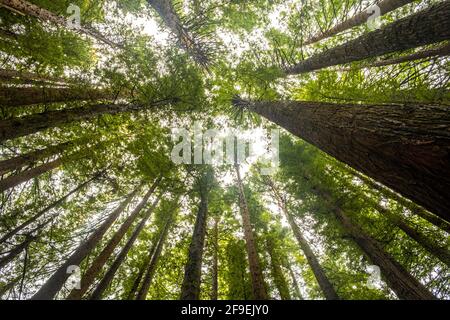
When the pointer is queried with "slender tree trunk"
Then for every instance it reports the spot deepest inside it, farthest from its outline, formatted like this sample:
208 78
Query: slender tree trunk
52 286
16 251
190 289
12 97
259 290
295 282
277 271
142 270
415 209
15 180
98 264
31 158
215 263
55 204
19 127
30 9
146 282
358 19
9 75
405 147
108 277
429 26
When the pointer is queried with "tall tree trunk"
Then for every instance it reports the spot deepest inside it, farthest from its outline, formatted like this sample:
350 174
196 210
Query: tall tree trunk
12 97
215 263
97 265
190 289
405 147
277 272
15 180
358 19
258 286
53 205
429 26
146 282
16 251
295 282
30 9
19 127
32 157
9 75
52 286
415 209
324 283
108 277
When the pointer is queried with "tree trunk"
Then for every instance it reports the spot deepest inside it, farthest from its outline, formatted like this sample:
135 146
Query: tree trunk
142 270
31 158
215 263
30 9
52 286
429 26
190 289
55 204
108 277
12 97
277 272
405 147
258 286
16 251
415 209
295 282
19 127
385 6
98 264
9 75
142 294
15 180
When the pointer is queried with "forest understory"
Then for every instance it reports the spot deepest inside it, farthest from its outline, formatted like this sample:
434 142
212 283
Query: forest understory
224 150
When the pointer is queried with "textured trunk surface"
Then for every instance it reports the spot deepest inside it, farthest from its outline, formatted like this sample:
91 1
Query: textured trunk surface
98 264
52 286
385 6
258 286
30 9
108 277
405 147
53 205
190 289
11 97
429 26
15 180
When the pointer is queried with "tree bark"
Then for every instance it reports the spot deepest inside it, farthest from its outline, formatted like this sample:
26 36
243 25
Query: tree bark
146 282
358 19
405 147
19 127
15 180
31 158
258 286
428 26
94 270
52 286
190 289
13 97
108 277
30 9
55 204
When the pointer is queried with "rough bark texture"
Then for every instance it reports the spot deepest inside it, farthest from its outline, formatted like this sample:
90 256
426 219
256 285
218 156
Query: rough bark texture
53 205
385 6
19 127
11 97
30 9
258 286
108 277
15 180
429 26
31 158
147 280
405 147
190 289
52 286
97 265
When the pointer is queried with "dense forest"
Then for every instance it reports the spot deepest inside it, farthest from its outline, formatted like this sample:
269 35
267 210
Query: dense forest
336 180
